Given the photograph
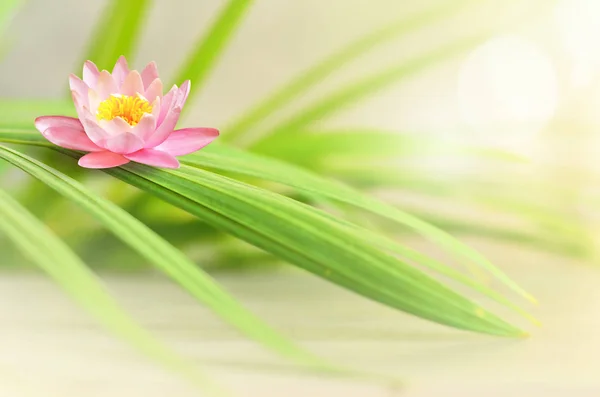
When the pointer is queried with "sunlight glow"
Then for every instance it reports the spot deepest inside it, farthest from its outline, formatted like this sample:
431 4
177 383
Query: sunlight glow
579 29
507 90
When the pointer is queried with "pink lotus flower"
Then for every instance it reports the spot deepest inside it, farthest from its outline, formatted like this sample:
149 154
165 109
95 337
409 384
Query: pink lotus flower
124 117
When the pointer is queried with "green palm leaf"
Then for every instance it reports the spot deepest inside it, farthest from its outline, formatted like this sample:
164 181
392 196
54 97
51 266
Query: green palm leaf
237 161
373 273
233 160
162 255
306 237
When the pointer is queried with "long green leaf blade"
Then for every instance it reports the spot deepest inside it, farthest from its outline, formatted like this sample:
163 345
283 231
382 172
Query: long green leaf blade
208 49
163 256
338 255
54 257
238 161
267 233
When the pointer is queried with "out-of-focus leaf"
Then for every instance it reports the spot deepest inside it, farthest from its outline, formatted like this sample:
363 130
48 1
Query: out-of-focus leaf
551 223
368 85
548 242
316 150
8 8
364 87
20 114
116 32
207 50
162 255
323 69
54 257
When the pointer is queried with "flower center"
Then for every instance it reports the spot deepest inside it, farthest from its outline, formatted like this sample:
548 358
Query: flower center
129 108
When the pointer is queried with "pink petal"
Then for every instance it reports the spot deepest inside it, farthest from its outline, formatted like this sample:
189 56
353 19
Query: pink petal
44 122
90 74
124 143
70 138
106 86
120 71
188 140
166 104
153 157
102 160
183 93
79 104
155 89
156 108
92 129
133 84
80 87
149 74
116 126
146 127
165 129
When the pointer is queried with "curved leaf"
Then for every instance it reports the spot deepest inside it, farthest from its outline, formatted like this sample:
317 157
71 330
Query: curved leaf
303 236
245 163
163 256
238 161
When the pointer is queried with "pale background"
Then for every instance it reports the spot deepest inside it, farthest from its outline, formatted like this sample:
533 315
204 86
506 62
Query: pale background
546 74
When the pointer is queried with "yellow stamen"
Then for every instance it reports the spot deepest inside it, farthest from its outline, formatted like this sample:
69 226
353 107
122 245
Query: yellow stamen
129 108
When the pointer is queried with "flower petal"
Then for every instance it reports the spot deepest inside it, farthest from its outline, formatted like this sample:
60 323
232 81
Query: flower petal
133 84
70 138
146 127
149 74
166 103
79 104
106 85
188 140
79 87
90 74
124 143
182 94
102 160
155 89
165 129
116 126
153 157
92 129
120 71
44 122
